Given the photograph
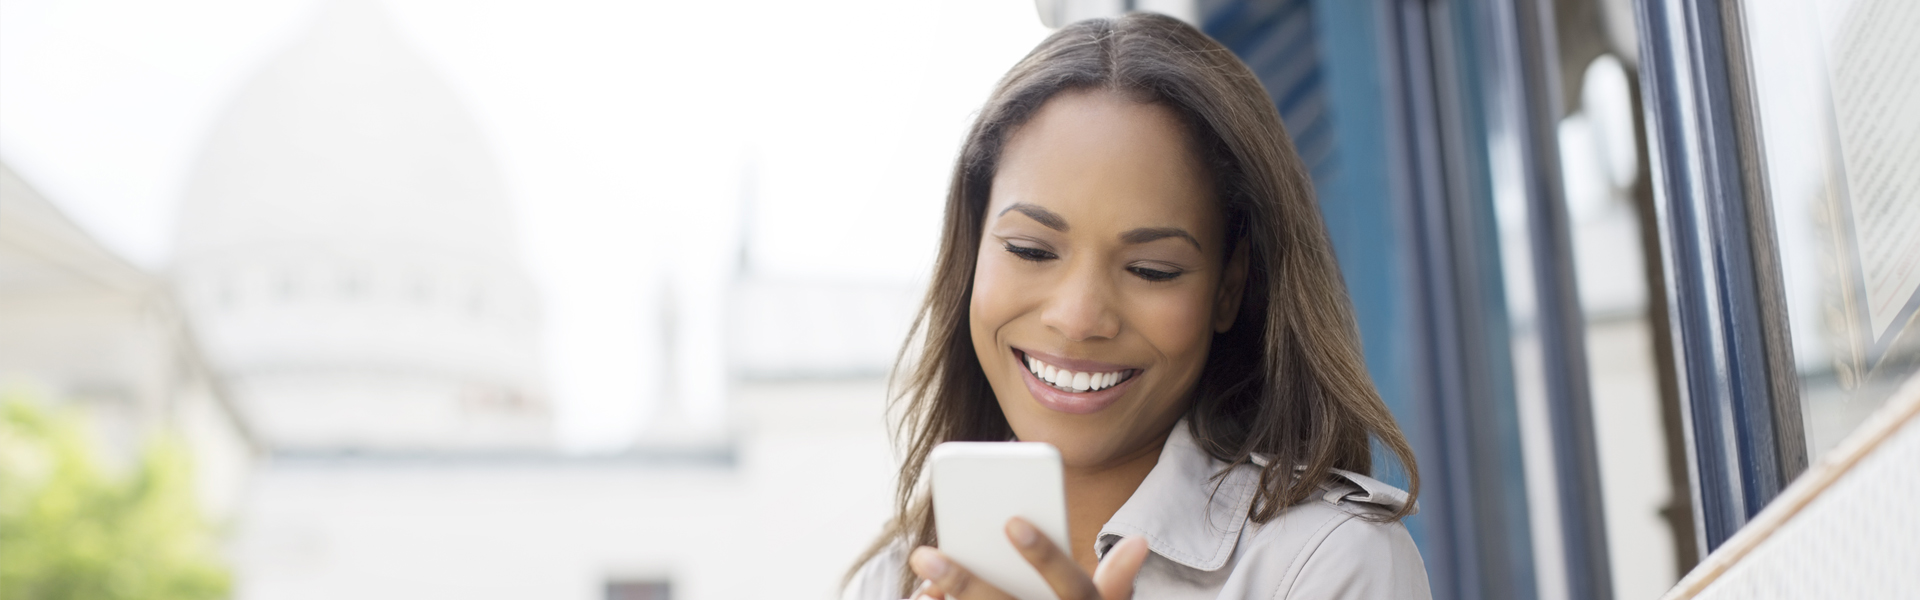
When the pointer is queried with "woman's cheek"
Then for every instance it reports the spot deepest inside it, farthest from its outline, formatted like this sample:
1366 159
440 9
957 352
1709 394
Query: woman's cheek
1178 324
988 303
993 305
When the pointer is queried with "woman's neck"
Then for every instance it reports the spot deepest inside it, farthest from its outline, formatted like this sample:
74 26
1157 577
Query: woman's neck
1095 493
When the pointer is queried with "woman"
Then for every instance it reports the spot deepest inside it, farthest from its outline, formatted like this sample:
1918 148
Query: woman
1134 270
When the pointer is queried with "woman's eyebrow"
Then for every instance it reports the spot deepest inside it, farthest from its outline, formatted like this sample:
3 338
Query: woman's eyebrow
1148 234
1045 217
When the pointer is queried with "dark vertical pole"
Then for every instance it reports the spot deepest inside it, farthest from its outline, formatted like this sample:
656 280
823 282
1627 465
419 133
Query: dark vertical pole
1783 381
1732 426
1562 325
1678 511
1501 512
1469 433
1420 208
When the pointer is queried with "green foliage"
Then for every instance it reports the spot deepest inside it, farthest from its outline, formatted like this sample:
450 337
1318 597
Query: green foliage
70 530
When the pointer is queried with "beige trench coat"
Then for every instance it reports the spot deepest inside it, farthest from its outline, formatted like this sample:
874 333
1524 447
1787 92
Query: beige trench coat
1202 545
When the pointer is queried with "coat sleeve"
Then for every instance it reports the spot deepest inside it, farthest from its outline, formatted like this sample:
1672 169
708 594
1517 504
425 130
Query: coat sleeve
1363 560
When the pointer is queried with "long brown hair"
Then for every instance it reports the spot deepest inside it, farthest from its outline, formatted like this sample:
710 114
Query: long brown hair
1287 382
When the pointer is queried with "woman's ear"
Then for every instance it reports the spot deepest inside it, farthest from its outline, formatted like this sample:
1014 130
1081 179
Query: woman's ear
1233 287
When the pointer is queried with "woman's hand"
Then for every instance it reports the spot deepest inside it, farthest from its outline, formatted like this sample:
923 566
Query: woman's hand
1112 580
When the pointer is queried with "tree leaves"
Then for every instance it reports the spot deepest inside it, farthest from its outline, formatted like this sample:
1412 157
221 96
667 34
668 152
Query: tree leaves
72 530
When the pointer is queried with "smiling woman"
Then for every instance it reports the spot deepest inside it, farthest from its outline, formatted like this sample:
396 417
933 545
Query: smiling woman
1134 270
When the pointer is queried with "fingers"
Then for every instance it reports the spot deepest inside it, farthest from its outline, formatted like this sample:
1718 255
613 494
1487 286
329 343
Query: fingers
1114 577
1112 580
1067 579
948 579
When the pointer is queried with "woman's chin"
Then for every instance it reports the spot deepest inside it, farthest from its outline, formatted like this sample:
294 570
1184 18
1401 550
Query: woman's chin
1080 446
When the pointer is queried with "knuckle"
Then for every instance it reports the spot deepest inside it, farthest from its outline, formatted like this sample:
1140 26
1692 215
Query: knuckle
955 583
959 585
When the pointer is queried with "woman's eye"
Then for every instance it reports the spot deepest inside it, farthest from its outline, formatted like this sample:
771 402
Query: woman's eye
1032 254
1153 274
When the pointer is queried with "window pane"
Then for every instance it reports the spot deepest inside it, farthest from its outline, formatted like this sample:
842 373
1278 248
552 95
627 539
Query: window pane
1835 87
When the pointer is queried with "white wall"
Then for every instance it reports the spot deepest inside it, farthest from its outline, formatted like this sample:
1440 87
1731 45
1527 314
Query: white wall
809 488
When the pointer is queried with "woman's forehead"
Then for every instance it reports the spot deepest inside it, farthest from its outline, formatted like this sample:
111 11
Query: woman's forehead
1102 161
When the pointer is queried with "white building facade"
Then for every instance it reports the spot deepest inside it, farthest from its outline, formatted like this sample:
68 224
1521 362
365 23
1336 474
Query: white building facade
348 255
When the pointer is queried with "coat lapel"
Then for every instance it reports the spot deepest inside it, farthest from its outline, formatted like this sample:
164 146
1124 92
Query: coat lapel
1187 515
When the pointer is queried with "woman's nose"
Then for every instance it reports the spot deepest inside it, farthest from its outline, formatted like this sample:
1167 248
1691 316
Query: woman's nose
1082 307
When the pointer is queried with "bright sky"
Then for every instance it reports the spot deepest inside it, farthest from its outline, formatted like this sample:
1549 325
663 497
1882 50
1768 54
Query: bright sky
619 128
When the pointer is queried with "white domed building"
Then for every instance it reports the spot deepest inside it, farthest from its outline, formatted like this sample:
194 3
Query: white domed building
347 256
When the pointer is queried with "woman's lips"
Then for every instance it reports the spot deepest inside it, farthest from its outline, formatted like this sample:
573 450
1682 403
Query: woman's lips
1077 403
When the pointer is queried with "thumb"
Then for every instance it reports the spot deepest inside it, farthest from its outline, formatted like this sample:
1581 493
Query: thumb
1114 576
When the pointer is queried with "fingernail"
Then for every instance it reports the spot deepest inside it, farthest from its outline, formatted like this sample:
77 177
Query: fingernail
1023 533
932 566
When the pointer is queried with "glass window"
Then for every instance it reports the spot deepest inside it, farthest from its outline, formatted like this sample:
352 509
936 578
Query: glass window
1837 98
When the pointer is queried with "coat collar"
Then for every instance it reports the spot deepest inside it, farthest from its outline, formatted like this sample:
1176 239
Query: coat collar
1178 508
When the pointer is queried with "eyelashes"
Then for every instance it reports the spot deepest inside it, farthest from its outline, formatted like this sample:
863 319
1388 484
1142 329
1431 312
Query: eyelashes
1031 254
1153 274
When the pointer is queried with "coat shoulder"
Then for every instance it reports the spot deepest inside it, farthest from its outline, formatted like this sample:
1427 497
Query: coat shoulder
1339 543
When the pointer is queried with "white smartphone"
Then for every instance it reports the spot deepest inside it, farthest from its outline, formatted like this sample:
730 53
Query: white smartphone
977 487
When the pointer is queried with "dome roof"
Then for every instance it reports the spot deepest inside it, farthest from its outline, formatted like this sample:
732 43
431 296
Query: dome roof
347 137
345 250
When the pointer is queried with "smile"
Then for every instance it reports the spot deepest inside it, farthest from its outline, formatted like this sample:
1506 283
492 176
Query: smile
1068 380
1072 385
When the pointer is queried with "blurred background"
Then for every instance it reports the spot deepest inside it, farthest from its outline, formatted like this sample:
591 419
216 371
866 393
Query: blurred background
579 299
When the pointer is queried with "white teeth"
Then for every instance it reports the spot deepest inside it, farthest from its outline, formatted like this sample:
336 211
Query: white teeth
1070 380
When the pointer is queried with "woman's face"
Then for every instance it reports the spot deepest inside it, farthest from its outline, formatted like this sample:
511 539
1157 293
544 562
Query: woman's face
1101 267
